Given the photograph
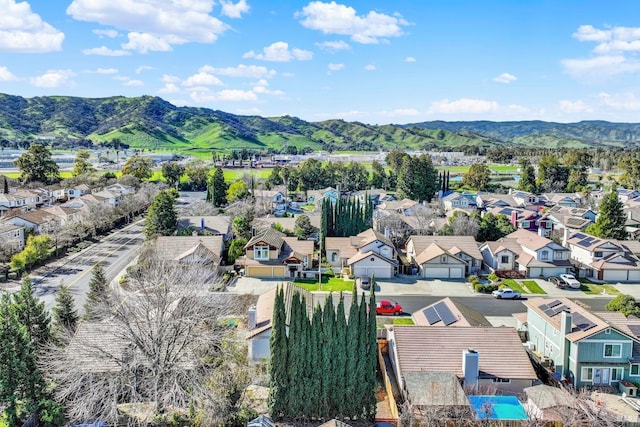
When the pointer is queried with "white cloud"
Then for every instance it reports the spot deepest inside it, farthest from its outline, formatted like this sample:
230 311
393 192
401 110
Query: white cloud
567 106
204 96
105 51
600 66
145 42
463 105
105 33
410 59
248 71
202 79
624 102
169 88
22 30
234 10
53 79
336 67
334 46
369 67
591 34
261 87
168 78
103 71
153 25
6 75
133 83
505 78
142 68
334 18
280 52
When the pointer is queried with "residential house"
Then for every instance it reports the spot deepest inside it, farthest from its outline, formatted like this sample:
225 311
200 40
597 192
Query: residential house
487 201
480 357
432 395
375 195
567 200
530 220
444 257
32 199
55 193
624 195
191 249
465 201
584 348
368 253
64 215
271 201
114 194
574 219
77 191
602 259
551 404
11 238
315 197
272 254
524 198
213 225
406 207
447 312
526 253
40 221
12 201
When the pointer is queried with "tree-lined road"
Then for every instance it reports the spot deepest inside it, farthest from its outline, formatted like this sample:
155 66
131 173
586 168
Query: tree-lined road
114 251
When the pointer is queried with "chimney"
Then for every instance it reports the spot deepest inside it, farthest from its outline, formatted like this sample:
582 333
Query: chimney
470 368
202 224
565 236
253 232
541 230
251 317
514 219
565 322
386 232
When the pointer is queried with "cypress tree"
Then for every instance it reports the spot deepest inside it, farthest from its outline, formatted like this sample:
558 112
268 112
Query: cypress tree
447 186
328 354
5 187
340 361
295 359
372 355
314 396
363 366
33 315
324 223
352 352
65 315
279 380
97 297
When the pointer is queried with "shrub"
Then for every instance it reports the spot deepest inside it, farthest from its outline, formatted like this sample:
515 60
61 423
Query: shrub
485 289
473 279
493 277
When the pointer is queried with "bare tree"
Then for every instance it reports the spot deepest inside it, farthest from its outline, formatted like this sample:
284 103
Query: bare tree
164 345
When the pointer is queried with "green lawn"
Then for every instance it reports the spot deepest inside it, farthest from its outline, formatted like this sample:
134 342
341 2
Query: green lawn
403 321
597 289
333 284
514 285
532 287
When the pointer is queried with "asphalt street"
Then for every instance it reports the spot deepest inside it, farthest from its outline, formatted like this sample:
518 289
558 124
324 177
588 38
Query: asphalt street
114 251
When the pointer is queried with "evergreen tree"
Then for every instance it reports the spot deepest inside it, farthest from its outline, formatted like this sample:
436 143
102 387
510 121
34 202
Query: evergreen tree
65 315
162 217
340 360
33 315
218 188
15 346
352 353
372 355
36 165
295 359
527 180
328 354
315 358
611 219
363 366
97 295
81 163
5 186
278 344
172 172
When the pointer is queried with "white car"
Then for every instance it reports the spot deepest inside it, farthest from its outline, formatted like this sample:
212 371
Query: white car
570 280
506 293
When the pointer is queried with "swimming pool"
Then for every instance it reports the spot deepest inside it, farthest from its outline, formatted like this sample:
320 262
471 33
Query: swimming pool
497 407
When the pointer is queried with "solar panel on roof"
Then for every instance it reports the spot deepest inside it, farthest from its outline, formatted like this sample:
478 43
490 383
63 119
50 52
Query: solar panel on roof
561 308
595 241
585 242
549 312
445 314
582 322
432 315
579 236
553 303
543 307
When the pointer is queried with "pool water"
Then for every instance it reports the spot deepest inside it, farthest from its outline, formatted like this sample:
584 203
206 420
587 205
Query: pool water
497 407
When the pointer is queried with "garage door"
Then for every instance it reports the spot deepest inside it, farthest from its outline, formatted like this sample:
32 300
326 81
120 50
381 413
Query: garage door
615 276
444 272
634 275
381 272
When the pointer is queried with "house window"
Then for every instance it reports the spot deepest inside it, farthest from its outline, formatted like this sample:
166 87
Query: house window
532 200
587 374
525 224
261 252
597 254
558 255
607 331
635 369
612 350
501 380
504 259
455 203
443 259
544 255
334 257
616 374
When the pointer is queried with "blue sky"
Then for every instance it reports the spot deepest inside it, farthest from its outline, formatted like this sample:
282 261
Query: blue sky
372 61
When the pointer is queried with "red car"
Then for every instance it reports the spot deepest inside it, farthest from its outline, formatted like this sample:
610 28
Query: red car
387 308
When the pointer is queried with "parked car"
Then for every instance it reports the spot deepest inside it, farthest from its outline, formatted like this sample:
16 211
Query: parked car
570 280
558 282
386 308
364 283
506 293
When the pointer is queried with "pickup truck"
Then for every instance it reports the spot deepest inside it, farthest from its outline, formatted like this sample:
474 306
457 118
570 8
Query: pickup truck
386 308
506 293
